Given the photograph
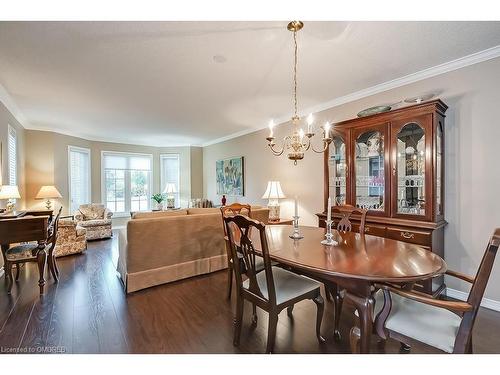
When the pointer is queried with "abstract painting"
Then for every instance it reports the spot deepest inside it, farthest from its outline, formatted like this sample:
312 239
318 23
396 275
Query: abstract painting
230 176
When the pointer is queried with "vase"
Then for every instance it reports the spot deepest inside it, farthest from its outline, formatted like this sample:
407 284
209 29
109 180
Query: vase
159 206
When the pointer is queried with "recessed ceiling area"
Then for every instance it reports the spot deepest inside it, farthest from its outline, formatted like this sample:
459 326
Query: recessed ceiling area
188 83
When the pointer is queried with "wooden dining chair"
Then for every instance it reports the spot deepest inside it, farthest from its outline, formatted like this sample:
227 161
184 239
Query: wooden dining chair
342 215
34 252
272 289
446 325
231 210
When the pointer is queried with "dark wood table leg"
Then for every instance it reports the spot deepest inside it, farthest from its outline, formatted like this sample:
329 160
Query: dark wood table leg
364 305
41 259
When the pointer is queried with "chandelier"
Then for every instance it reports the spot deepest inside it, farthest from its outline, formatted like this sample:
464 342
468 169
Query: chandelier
299 141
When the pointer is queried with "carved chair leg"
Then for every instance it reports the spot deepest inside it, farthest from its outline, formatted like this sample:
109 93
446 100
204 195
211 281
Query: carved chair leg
271 331
289 311
56 268
354 337
238 320
320 304
9 277
404 348
18 271
254 314
41 259
328 293
52 268
229 281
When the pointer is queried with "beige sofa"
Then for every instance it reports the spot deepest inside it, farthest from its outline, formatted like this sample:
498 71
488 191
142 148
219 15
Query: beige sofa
165 246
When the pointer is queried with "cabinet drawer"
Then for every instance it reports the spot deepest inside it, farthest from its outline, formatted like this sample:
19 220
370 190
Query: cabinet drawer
374 230
414 236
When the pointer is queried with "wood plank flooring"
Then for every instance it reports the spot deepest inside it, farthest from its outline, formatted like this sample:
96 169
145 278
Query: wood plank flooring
88 312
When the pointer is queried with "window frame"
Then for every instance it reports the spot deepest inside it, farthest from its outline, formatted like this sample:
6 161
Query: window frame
163 183
128 199
89 153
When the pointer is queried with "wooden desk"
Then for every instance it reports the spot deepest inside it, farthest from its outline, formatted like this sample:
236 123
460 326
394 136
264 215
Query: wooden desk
355 264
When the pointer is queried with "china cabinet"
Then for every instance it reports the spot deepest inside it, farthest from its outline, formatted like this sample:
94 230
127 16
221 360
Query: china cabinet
392 165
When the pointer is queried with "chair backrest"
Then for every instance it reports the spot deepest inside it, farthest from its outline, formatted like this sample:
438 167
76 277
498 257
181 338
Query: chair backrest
235 209
345 212
477 291
242 247
52 230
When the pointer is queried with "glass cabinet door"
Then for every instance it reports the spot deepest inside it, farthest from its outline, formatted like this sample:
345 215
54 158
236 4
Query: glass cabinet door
439 169
410 169
369 167
337 171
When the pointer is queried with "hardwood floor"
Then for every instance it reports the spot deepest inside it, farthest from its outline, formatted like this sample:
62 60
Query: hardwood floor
88 312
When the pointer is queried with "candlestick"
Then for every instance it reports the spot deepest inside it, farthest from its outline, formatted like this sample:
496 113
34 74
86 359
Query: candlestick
329 241
296 234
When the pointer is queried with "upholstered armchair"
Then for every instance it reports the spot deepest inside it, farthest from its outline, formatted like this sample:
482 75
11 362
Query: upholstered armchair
96 219
71 238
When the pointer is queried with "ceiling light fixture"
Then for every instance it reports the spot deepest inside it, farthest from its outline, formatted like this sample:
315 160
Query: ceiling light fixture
295 143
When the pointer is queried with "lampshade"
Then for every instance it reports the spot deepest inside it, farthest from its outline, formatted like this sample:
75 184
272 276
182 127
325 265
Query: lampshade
170 188
273 191
9 192
48 192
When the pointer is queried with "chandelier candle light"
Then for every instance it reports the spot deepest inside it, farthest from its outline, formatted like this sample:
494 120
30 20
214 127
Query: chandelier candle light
329 241
296 234
295 143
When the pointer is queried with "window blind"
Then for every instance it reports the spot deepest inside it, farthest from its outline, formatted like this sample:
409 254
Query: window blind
12 155
79 177
171 173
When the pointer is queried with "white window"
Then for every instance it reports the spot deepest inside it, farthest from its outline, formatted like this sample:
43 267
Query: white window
79 177
170 167
12 152
126 181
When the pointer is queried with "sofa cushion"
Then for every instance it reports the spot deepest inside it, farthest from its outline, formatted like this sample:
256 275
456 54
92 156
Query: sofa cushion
92 211
197 211
95 223
150 215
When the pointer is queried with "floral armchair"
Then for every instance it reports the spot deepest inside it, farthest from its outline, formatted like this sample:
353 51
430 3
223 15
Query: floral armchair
96 219
71 238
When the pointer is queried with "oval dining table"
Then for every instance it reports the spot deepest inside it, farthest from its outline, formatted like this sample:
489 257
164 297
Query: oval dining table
355 264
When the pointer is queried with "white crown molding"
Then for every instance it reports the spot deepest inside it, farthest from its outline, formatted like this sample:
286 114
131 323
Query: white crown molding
462 62
12 107
462 296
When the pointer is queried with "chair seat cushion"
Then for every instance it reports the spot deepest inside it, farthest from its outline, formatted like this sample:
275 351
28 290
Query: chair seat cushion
95 223
431 325
288 285
21 252
80 231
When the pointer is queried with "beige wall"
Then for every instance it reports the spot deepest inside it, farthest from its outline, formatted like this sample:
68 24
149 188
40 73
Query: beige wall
472 163
7 119
47 163
197 172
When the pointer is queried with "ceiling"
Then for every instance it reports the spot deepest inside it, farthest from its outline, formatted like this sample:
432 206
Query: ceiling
180 83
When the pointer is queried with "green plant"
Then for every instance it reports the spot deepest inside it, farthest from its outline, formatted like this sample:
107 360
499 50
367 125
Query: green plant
158 198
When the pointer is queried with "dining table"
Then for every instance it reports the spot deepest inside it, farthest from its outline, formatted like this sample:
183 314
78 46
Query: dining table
354 264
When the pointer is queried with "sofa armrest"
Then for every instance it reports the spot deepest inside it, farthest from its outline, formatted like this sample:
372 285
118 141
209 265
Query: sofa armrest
107 214
65 223
78 216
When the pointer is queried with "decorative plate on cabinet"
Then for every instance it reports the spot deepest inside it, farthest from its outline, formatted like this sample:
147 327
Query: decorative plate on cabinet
374 110
419 99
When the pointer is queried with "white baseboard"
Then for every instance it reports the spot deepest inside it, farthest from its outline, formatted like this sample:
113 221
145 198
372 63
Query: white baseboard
462 296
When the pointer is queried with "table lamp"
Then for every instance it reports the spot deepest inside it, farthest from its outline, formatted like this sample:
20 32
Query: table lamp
273 193
10 192
170 189
48 192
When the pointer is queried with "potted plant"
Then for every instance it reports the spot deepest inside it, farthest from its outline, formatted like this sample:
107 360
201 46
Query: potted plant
158 198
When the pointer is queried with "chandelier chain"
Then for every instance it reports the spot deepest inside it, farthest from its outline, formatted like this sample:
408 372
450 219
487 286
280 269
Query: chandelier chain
295 72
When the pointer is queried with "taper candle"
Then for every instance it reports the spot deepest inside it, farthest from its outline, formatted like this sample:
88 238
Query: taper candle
329 214
296 207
